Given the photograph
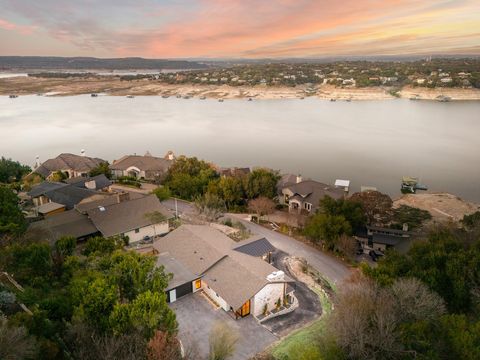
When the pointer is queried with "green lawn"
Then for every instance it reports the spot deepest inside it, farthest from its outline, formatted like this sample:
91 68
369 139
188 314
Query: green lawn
303 338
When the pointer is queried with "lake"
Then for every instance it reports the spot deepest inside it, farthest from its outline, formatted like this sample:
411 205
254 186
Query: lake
371 143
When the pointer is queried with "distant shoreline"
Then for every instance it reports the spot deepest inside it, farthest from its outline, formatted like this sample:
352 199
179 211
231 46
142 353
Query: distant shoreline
23 85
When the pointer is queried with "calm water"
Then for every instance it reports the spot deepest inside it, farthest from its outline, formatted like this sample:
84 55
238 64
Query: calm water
370 142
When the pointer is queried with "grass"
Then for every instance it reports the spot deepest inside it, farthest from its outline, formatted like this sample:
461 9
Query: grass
304 337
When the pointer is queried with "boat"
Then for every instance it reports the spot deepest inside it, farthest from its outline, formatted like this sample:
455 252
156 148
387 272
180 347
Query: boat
165 96
332 99
349 99
13 96
415 97
220 100
93 95
130 96
186 97
302 98
443 98
411 185
202 98
179 96
250 99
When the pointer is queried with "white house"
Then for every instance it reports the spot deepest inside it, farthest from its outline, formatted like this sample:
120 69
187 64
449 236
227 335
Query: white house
142 167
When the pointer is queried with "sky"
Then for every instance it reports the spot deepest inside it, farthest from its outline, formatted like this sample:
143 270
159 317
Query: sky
238 28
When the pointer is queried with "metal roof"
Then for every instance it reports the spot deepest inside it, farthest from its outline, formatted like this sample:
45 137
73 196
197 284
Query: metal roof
256 247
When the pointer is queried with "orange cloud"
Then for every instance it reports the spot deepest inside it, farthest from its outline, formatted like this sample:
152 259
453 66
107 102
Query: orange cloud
25 30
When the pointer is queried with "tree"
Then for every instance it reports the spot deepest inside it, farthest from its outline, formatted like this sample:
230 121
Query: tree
12 171
188 178
102 168
163 346
222 341
347 245
163 193
326 229
411 216
376 206
66 245
231 190
472 220
261 206
15 343
12 221
351 210
58 176
261 182
101 245
210 206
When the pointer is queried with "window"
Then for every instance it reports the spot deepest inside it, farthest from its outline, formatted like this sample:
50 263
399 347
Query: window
308 206
198 284
137 231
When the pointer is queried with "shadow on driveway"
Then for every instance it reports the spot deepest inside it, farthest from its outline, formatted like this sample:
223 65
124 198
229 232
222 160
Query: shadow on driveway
309 304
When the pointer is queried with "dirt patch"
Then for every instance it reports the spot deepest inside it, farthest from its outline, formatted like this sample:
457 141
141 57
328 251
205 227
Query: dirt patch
442 206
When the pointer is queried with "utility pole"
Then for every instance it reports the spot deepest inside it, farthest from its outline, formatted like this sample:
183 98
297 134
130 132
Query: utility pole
176 208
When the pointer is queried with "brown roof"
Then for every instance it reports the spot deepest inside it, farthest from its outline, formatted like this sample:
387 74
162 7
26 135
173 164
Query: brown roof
68 162
235 276
70 223
144 163
125 216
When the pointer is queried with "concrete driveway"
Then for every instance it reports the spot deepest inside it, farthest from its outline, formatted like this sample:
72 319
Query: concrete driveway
196 316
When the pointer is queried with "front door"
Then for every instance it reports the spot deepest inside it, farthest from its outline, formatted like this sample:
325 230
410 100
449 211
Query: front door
245 309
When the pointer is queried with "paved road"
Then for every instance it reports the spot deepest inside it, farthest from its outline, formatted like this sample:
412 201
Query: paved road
330 267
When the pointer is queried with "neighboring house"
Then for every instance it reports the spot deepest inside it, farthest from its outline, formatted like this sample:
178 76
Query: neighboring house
146 167
203 258
113 198
49 209
382 239
70 164
68 223
65 194
305 196
130 218
99 182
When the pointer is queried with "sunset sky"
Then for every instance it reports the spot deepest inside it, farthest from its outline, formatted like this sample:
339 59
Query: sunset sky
238 28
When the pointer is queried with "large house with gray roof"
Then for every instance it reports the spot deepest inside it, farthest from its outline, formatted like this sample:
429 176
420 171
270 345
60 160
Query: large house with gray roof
146 167
304 196
70 164
233 275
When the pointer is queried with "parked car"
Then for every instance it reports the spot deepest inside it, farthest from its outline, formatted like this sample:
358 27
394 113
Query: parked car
146 240
375 254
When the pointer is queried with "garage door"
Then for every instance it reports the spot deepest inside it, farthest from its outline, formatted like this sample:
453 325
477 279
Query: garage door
179 291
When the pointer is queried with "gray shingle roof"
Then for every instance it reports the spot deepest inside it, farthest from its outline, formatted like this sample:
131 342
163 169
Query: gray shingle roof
181 274
44 187
70 223
69 195
67 161
144 163
99 181
110 199
122 217
255 247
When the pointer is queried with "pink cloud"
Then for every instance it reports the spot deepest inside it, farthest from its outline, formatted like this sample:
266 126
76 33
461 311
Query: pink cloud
22 29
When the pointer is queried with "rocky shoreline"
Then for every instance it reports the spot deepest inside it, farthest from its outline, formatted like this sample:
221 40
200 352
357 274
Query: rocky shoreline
116 87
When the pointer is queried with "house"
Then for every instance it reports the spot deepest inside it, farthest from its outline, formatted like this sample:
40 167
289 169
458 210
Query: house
69 164
49 209
67 223
65 194
382 239
305 195
208 260
95 202
131 218
146 167
99 182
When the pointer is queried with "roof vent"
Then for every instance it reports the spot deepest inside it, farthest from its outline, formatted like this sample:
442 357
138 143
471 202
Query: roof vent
101 208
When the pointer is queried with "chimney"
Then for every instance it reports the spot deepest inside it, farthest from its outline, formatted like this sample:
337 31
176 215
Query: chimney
82 152
37 161
405 227
299 178
121 197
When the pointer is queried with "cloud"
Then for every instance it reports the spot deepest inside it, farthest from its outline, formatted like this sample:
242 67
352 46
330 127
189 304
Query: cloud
24 30
253 28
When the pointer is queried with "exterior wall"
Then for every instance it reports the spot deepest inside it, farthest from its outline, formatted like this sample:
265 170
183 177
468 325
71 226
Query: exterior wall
57 211
194 289
213 295
268 295
160 229
40 200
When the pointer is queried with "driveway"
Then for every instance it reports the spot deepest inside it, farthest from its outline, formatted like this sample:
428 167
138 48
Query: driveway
309 306
196 316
